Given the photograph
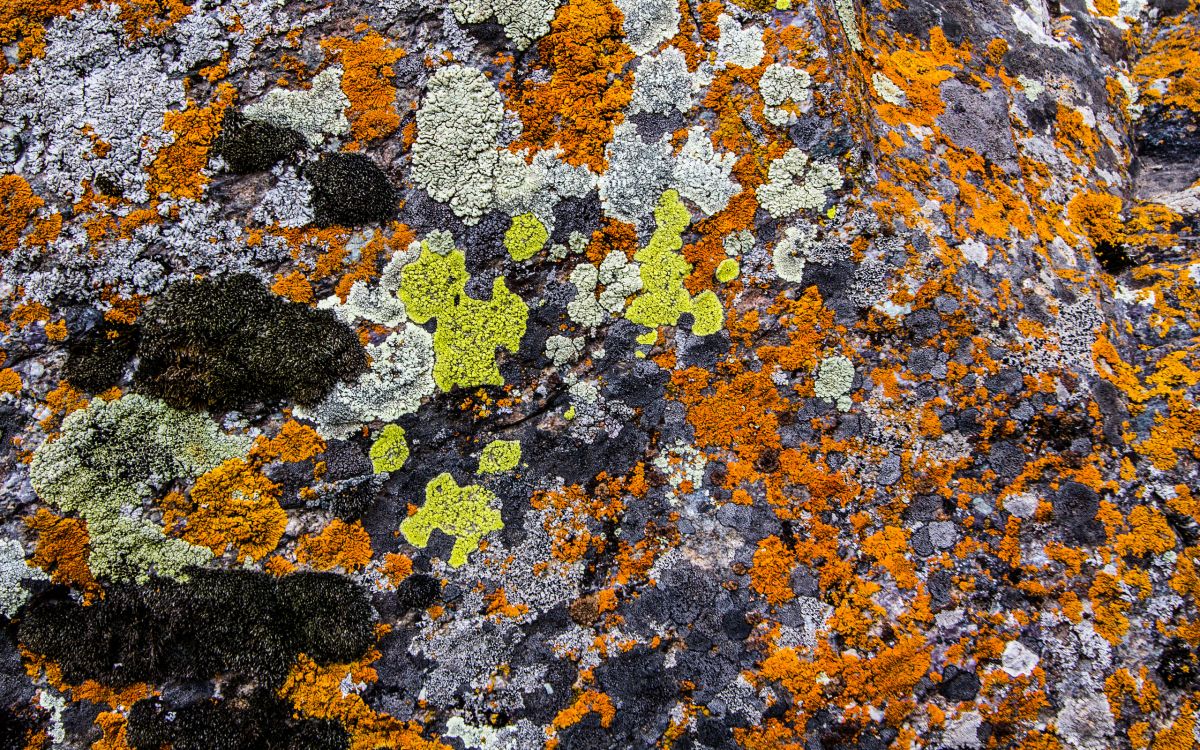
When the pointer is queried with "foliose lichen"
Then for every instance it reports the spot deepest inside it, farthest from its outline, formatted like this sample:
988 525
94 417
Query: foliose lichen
466 513
390 450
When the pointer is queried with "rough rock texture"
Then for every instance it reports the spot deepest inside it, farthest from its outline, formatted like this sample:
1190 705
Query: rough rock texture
764 374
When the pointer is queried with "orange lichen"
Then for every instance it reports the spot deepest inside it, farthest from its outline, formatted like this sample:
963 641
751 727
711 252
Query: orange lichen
62 550
294 286
18 207
771 574
396 567
177 169
919 73
366 81
588 702
294 443
316 692
739 414
10 381
582 102
1096 217
62 401
339 545
233 505
1175 60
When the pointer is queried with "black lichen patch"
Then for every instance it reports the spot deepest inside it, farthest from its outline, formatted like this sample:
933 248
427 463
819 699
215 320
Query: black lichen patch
250 146
232 622
230 344
97 360
260 721
350 190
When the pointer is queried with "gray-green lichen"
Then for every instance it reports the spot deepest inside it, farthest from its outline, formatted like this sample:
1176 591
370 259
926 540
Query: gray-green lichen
785 90
314 112
14 570
114 455
620 278
524 21
835 376
454 157
796 183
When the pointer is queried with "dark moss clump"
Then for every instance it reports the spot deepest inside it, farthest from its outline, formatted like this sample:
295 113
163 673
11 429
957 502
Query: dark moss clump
260 721
96 360
249 146
238 623
418 591
230 344
349 190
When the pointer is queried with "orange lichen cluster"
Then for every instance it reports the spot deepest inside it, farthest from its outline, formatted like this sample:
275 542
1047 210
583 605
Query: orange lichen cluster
366 81
919 72
233 505
23 22
339 545
18 208
1173 60
293 443
587 702
316 692
294 286
62 551
580 105
178 168
739 414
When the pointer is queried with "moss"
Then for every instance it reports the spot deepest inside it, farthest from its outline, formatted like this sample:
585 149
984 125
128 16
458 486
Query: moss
468 330
389 452
350 190
228 343
727 270
663 269
526 237
466 513
499 456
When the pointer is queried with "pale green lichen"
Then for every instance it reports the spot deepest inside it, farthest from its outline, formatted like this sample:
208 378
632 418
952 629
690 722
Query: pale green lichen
727 270
468 330
846 14
785 90
465 513
389 452
664 298
792 251
835 376
796 184
524 21
314 112
13 570
739 46
526 237
620 279
562 350
114 455
499 456
454 157
888 91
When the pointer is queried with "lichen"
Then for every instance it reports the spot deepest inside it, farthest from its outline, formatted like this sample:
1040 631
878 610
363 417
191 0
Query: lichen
663 297
526 236
110 458
787 93
466 513
468 330
454 157
727 270
315 112
390 450
835 376
500 456
524 22
796 183
14 570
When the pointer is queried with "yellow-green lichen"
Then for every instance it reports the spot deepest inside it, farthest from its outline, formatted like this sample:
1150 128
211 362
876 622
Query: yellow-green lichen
468 330
727 270
390 449
465 513
526 237
499 456
664 298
